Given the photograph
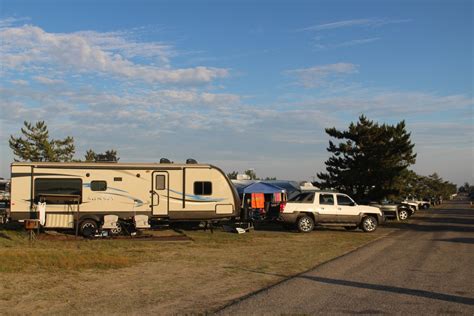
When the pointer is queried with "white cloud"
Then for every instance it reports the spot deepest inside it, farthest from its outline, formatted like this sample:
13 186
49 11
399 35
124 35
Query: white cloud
319 45
387 104
443 135
47 81
371 22
96 53
20 82
357 42
124 43
317 76
9 21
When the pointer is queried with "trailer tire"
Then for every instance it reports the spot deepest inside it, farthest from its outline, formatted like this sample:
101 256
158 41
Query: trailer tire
88 228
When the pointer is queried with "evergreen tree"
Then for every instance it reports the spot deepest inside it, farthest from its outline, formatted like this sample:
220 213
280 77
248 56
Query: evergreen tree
270 178
36 145
368 160
232 175
109 155
251 173
90 156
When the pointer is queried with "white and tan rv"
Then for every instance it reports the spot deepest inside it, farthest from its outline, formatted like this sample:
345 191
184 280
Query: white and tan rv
150 191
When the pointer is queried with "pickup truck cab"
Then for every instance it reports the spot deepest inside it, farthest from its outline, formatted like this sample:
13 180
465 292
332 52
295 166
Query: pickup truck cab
330 209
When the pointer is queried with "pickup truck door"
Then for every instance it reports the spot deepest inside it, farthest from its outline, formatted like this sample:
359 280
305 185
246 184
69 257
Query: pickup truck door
326 208
347 212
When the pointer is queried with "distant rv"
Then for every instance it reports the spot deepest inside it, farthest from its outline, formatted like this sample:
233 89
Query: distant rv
120 191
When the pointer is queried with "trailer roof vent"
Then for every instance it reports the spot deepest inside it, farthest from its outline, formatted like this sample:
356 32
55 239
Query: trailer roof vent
191 161
165 160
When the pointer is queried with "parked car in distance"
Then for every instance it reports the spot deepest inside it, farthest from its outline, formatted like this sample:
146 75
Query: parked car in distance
329 209
391 208
411 204
424 204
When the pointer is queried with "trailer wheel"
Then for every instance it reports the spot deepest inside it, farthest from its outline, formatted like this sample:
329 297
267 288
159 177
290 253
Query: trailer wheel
118 230
88 228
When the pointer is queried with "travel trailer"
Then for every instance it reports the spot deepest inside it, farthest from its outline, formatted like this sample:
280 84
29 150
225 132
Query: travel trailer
94 196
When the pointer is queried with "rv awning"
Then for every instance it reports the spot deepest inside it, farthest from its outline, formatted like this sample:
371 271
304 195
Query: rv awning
260 187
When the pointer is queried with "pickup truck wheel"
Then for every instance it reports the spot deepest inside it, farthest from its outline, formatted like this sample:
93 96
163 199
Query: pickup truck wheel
369 224
426 206
403 215
305 224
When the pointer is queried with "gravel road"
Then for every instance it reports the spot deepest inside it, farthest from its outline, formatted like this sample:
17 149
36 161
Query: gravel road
424 267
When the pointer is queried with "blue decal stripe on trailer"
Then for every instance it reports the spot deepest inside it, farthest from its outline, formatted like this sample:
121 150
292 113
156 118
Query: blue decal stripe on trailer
197 198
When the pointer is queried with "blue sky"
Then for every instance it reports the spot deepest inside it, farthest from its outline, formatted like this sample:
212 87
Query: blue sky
241 84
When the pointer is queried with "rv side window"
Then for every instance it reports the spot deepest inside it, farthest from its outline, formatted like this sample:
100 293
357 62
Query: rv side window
203 188
52 191
160 182
98 185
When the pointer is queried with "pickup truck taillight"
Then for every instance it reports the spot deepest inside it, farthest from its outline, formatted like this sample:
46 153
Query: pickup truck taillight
282 206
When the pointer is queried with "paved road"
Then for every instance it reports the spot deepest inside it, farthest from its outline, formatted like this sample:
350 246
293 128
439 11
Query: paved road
424 267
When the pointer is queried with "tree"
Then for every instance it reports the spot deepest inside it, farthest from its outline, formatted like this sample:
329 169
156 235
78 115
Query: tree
36 145
406 184
90 156
233 175
369 159
109 155
410 184
465 188
251 173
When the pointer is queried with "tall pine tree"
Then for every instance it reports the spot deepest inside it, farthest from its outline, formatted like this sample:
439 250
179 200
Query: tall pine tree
368 159
36 145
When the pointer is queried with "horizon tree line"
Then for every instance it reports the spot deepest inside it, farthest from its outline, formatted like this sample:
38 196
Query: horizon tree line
367 161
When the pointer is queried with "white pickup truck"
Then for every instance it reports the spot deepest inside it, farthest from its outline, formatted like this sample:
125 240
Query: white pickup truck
330 209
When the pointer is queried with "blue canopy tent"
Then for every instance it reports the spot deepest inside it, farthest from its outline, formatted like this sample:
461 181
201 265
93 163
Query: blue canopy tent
262 187
240 185
292 188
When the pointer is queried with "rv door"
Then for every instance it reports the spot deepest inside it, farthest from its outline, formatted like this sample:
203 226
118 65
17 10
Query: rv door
160 193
